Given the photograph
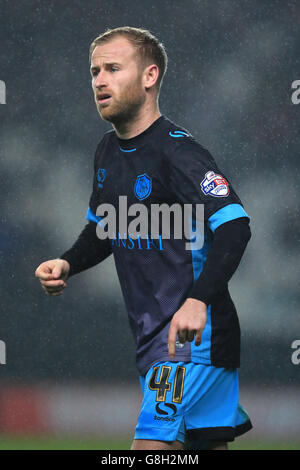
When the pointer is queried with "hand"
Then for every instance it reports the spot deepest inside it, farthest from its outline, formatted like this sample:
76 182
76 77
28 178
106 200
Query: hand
188 322
52 275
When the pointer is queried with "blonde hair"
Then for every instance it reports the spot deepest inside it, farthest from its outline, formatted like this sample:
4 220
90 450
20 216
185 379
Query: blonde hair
149 48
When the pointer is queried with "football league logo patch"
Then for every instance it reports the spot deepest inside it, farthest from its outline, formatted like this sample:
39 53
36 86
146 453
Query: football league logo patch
143 186
214 185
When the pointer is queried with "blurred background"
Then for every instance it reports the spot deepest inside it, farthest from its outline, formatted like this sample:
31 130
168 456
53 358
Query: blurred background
69 377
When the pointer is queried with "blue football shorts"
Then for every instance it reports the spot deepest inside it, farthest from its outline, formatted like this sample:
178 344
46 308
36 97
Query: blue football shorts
190 403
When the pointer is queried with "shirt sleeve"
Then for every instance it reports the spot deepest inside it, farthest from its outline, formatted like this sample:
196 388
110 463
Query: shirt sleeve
226 251
87 251
196 179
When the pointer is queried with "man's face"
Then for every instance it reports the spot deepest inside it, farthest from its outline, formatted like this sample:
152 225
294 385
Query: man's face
117 81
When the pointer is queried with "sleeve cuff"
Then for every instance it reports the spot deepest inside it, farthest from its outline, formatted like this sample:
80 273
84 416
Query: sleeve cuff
227 213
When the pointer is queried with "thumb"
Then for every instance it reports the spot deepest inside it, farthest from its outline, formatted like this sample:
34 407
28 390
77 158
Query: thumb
56 273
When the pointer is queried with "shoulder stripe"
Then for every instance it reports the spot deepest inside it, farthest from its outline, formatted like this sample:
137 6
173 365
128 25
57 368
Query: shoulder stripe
179 134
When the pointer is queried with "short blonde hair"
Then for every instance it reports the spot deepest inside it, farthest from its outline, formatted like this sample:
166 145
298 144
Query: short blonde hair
149 48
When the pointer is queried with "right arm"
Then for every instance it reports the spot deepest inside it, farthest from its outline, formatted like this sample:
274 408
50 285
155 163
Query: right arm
87 251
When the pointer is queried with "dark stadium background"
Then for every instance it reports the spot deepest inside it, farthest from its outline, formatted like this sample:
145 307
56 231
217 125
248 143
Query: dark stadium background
231 67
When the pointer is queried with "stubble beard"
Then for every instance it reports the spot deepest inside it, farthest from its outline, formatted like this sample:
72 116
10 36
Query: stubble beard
124 110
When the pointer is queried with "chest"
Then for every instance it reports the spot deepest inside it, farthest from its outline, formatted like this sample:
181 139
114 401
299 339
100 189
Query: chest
141 176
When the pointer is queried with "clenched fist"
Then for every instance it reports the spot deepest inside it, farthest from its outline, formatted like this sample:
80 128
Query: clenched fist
52 275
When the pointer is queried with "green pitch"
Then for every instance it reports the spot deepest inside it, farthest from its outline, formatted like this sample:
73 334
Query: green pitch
51 443
61 443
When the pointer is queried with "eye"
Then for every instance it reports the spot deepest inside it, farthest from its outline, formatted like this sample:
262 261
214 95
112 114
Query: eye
94 72
114 69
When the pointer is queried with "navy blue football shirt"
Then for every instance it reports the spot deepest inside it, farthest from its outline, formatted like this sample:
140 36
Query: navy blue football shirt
164 164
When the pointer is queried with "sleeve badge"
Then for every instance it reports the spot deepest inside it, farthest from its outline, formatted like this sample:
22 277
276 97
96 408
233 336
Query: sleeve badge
214 185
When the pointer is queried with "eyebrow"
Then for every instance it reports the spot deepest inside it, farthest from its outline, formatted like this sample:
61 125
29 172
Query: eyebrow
96 67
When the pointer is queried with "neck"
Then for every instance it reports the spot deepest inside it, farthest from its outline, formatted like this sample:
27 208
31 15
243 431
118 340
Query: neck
138 124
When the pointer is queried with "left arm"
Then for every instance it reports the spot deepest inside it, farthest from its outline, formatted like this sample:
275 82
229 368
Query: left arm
226 251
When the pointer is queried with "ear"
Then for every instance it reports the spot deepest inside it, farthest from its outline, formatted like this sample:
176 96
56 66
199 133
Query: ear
150 76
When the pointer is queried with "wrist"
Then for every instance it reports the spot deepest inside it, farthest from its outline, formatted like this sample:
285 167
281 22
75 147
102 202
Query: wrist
66 266
196 302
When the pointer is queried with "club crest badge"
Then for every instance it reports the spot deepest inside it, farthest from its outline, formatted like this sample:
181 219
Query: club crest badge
214 185
101 175
143 186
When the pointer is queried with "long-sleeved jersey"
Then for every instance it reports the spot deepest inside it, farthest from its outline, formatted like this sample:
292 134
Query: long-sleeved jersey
166 165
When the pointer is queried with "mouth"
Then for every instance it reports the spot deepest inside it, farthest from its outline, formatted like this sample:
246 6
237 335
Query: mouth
103 98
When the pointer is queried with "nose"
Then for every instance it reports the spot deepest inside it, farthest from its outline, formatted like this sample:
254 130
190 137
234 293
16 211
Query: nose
100 80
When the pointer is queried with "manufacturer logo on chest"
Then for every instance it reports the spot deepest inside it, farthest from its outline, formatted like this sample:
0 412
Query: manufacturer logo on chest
101 175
